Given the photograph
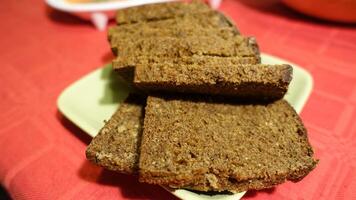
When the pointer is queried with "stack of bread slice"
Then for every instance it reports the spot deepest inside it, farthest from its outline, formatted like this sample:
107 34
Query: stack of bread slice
208 115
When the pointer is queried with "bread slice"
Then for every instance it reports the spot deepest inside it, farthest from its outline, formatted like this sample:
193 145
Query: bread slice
125 66
130 61
211 144
116 147
127 36
159 11
216 76
211 22
181 39
191 45
130 52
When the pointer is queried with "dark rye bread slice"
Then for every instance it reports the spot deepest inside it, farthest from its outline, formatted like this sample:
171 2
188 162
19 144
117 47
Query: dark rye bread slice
215 145
244 50
216 77
125 66
125 36
193 23
191 45
120 41
159 11
116 147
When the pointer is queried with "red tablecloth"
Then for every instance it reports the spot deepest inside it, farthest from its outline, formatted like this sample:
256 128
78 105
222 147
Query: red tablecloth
43 51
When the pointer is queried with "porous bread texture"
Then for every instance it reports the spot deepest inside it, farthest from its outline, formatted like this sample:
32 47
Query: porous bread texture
116 147
212 145
217 77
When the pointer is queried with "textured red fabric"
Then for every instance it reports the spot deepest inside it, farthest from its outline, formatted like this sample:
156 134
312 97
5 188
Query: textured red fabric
43 51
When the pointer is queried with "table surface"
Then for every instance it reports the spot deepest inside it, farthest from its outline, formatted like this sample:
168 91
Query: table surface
43 51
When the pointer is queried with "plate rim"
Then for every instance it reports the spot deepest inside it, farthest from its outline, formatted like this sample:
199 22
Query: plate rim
309 87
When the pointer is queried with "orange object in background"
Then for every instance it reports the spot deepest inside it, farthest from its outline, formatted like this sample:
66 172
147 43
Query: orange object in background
335 10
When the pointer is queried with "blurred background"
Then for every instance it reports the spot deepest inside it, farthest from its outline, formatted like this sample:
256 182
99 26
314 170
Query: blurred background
47 45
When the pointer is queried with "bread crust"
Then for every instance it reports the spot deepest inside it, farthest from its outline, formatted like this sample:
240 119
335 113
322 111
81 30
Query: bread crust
116 147
216 77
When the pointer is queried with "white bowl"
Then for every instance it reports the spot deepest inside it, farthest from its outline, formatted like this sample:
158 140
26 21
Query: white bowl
99 13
